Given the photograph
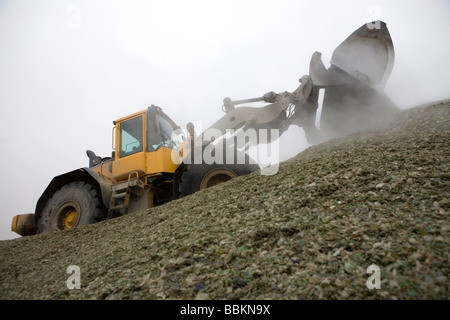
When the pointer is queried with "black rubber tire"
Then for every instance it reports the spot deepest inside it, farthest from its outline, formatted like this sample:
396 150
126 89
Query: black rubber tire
81 194
193 175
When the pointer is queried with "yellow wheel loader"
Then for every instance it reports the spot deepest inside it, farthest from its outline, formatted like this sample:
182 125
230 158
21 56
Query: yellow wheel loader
154 162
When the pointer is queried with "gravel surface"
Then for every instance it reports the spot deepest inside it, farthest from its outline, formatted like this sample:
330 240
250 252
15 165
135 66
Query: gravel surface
309 232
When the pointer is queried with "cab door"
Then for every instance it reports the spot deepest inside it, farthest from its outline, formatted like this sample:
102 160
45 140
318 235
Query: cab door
130 147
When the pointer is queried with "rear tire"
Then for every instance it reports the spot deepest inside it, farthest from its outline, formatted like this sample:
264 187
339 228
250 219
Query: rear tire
75 204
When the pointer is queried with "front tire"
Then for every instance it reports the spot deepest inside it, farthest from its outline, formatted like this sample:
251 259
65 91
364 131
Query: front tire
201 176
75 204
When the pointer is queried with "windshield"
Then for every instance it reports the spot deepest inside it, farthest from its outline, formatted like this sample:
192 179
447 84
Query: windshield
131 137
161 134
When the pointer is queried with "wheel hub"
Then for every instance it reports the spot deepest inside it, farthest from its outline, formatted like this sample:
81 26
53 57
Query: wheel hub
217 177
69 219
66 216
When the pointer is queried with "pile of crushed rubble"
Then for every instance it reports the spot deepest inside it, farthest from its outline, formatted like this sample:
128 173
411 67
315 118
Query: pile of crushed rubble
308 232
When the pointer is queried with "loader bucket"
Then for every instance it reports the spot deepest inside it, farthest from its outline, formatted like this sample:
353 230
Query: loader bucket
367 54
360 66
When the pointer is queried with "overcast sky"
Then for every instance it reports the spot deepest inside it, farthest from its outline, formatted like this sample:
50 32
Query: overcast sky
69 68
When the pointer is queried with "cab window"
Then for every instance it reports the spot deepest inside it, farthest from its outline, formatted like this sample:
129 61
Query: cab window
161 134
131 137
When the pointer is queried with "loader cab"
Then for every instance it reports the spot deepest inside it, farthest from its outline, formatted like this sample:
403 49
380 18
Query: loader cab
143 143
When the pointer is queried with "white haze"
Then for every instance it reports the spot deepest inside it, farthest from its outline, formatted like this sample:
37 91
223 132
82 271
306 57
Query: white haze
69 68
